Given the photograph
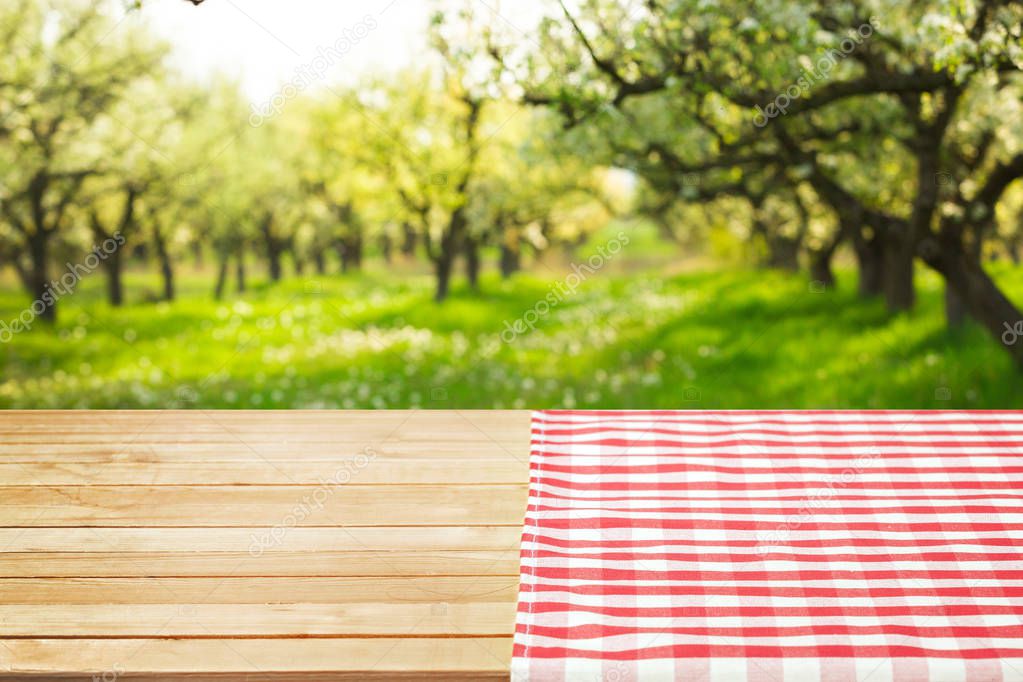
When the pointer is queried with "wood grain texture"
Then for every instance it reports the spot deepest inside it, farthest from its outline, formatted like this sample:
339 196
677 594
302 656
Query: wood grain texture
206 621
402 468
327 504
279 660
239 539
260 545
226 564
234 590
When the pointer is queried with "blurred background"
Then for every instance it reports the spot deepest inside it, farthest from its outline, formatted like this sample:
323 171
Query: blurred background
466 204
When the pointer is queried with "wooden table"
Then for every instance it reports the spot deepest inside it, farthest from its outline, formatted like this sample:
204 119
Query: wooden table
260 545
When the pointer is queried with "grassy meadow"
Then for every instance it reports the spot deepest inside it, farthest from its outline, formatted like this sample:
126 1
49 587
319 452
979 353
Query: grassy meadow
637 335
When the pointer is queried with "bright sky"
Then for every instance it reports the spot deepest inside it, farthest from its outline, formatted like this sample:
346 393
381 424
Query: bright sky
264 42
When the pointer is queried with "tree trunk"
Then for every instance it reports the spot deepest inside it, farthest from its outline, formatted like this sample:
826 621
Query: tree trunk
449 245
442 268
320 262
408 244
457 223
273 247
983 299
39 248
854 218
166 266
903 239
821 273
240 272
115 286
870 262
299 264
274 262
386 247
218 291
339 248
113 263
167 270
759 229
955 309
472 263
510 260
783 253
356 250
899 293
349 250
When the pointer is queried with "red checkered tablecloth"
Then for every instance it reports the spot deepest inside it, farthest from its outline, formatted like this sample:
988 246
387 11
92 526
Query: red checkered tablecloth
773 547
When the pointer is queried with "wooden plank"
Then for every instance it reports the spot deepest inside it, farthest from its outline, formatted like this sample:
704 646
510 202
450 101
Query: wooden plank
262 505
232 590
207 426
257 471
257 452
351 551
284 443
240 540
255 620
291 660
243 564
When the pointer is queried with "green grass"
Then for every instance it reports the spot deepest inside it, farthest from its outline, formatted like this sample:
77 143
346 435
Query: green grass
708 339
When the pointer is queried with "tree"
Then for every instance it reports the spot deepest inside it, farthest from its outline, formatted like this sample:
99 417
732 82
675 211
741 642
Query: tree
147 155
340 171
530 180
710 88
220 180
425 139
272 190
56 93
